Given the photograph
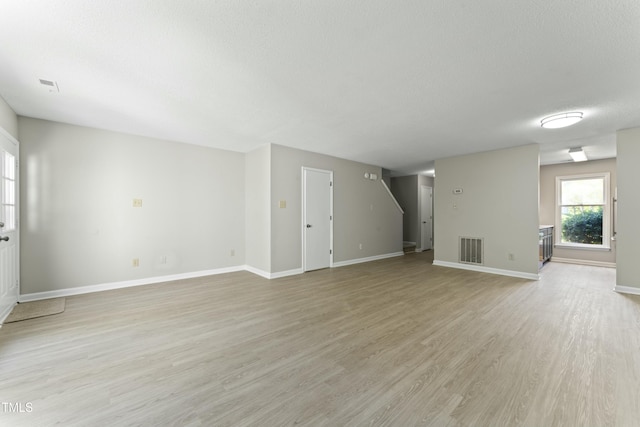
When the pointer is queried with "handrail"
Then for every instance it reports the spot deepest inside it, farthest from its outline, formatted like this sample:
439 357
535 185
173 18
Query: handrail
384 184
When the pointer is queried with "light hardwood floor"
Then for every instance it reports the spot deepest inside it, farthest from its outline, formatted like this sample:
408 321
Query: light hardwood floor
395 342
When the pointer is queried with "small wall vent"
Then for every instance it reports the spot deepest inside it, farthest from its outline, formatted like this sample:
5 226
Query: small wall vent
471 250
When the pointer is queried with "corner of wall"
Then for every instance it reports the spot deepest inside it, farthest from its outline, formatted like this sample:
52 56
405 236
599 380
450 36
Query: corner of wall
628 232
8 119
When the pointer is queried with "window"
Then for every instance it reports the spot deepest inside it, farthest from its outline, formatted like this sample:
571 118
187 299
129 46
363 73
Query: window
582 211
8 164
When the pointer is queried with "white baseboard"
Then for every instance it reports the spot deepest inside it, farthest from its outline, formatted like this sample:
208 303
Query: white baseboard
257 271
279 274
125 284
482 269
367 259
152 280
627 290
584 262
3 316
406 243
275 275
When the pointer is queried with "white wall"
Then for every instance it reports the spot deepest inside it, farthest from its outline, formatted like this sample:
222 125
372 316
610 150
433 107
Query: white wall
8 119
79 227
258 208
499 203
364 213
628 253
548 176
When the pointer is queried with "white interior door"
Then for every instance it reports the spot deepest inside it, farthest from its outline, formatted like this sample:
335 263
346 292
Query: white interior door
426 217
8 224
316 219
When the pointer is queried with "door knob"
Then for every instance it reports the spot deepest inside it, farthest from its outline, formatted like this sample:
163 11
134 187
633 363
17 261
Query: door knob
4 239
308 225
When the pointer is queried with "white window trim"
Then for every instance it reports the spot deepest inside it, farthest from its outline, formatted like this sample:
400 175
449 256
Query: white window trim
606 213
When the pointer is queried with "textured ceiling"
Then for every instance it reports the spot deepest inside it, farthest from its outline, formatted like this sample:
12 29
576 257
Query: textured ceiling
392 83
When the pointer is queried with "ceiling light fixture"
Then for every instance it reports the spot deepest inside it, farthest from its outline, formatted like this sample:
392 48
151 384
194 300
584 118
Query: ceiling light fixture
561 120
577 154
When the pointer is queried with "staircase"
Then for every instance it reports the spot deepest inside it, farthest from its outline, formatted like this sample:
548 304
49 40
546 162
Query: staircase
408 247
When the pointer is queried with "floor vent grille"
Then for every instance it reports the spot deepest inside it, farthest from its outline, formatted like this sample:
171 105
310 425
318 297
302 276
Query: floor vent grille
471 250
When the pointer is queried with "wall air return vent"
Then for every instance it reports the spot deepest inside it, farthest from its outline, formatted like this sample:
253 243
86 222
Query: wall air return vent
471 250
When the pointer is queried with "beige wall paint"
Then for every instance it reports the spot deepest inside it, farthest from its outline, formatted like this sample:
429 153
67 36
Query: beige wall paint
363 210
258 208
628 251
548 176
78 224
8 119
499 203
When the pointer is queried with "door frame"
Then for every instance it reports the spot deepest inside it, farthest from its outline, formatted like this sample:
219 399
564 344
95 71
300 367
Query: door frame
303 180
16 143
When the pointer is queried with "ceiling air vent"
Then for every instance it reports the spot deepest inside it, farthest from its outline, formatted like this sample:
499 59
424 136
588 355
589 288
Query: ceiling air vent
49 85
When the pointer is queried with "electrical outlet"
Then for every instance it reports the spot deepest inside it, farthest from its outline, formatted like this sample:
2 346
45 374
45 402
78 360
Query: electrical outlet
163 259
137 203
360 246
135 262
233 252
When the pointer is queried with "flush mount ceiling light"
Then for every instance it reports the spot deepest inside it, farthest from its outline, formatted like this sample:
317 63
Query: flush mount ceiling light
577 154
561 120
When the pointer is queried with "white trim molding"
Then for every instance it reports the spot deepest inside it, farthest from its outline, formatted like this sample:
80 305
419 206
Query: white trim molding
287 273
160 279
482 269
584 262
627 290
3 316
367 259
10 137
257 271
275 275
125 284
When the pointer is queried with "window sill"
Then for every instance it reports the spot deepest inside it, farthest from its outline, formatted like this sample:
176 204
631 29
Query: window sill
583 248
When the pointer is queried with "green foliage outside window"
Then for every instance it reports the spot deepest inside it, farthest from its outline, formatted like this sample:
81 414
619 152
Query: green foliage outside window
582 225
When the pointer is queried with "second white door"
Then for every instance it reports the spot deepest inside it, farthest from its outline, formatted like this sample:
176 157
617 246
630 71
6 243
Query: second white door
426 217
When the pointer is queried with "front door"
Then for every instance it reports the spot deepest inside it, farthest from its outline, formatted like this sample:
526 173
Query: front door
317 218
8 224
